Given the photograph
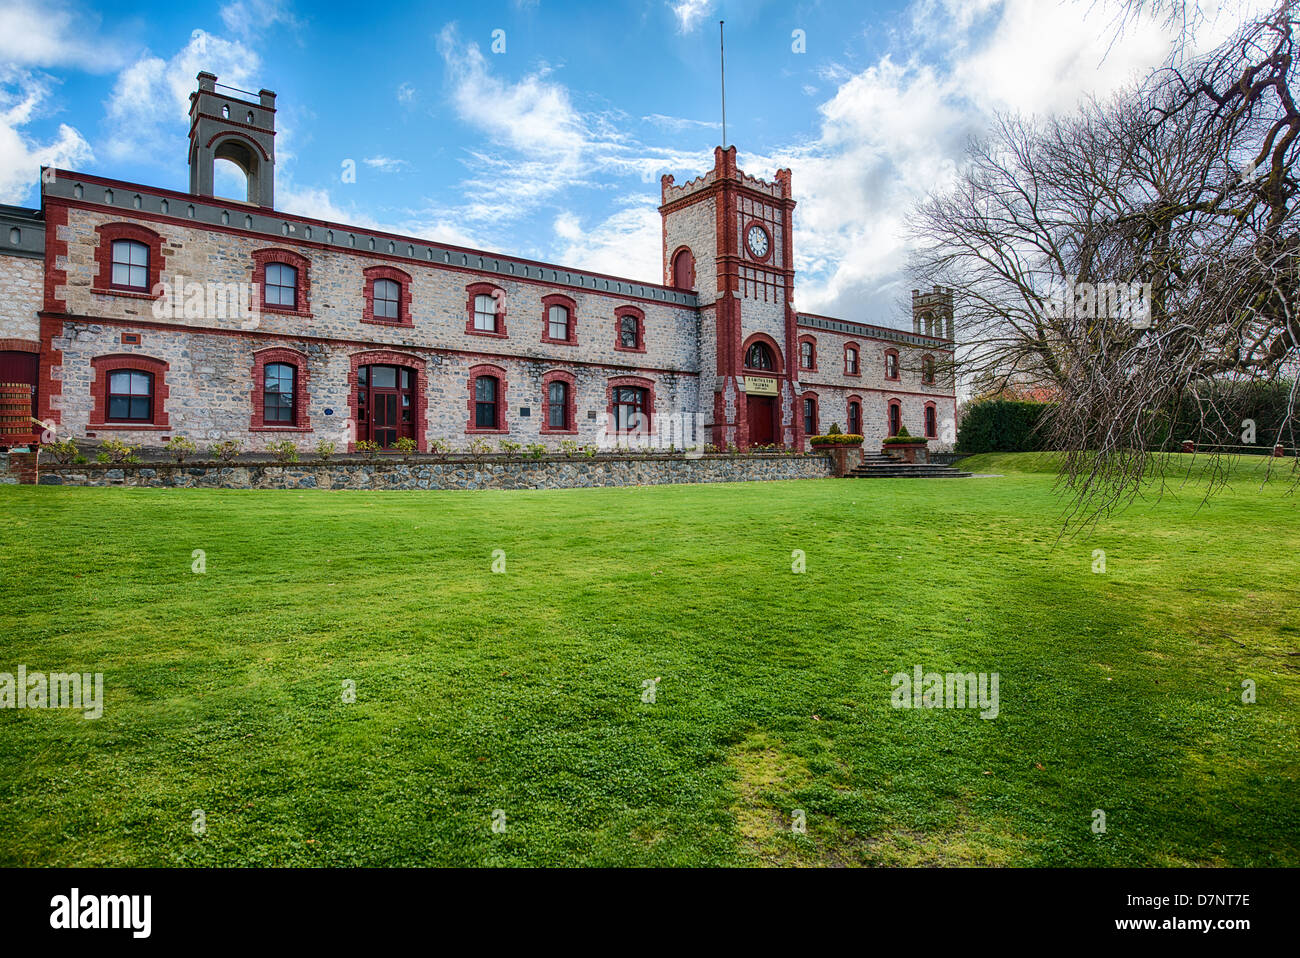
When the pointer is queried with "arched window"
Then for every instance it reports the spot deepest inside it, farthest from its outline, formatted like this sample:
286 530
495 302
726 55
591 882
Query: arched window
895 417
851 360
927 370
557 322
487 408
891 365
557 405
684 270
130 396
388 300
630 330
759 356
631 409
855 417
278 388
130 265
931 423
807 354
280 287
810 415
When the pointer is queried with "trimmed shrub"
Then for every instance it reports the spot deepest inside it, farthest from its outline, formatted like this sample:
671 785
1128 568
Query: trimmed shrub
1003 425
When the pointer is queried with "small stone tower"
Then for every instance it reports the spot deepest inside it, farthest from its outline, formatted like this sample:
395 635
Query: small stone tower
224 126
932 313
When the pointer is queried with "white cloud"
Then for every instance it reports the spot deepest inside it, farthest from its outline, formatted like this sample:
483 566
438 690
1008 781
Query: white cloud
405 93
24 97
626 244
386 164
149 106
689 13
49 33
251 19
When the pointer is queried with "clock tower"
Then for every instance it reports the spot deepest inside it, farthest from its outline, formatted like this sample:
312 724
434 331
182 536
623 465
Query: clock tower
727 236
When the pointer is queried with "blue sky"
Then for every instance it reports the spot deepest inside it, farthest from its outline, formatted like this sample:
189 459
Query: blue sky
553 148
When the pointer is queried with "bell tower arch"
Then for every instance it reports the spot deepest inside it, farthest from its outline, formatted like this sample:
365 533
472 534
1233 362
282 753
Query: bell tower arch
226 126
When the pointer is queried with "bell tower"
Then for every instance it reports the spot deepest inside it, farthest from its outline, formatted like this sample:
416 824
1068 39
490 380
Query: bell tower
225 126
727 236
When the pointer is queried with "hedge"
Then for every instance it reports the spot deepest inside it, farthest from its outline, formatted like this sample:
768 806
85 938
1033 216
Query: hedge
1003 425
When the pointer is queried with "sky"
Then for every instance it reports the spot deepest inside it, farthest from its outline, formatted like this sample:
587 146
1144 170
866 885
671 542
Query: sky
540 128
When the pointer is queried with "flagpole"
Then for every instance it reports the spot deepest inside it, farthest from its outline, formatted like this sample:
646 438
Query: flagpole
722 60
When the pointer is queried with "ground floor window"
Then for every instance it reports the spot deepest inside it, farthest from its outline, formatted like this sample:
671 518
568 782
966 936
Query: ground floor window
486 390
931 423
631 409
557 405
895 418
810 416
130 396
855 418
278 381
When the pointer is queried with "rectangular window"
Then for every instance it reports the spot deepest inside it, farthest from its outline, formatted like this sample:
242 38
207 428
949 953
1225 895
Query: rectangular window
277 393
485 313
388 300
485 402
810 417
630 412
130 396
628 332
281 285
130 264
557 409
558 321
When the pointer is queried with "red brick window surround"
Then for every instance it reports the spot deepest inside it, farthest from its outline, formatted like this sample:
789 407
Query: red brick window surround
298 281
852 359
629 330
683 268
388 297
129 261
895 421
931 421
559 320
891 364
289 369
855 416
485 306
135 401
630 406
762 354
487 400
810 414
808 354
559 399
927 370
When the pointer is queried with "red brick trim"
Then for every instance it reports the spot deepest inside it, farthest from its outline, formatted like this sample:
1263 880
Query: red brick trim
387 357
262 258
807 339
771 344
898 365
56 248
503 406
857 350
571 413
817 413
499 295
403 281
47 387
646 384
301 392
672 266
108 234
20 346
101 366
559 299
639 315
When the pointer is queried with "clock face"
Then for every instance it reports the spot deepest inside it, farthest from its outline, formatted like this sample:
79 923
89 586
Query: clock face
757 241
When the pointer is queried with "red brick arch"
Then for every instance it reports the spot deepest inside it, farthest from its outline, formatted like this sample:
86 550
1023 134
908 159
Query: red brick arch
388 357
301 394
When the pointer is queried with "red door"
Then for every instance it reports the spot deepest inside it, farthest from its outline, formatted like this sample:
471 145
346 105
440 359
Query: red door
385 404
16 367
762 420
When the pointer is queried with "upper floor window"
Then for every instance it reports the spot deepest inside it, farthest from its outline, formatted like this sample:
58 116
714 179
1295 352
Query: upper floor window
927 370
278 390
130 396
281 286
557 322
807 355
388 300
631 330
130 264
485 313
759 356
891 365
684 270
851 361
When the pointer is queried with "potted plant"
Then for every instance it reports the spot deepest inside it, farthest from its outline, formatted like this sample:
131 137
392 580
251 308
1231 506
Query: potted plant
906 447
845 449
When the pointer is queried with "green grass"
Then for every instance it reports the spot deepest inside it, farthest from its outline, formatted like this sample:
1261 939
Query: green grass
522 691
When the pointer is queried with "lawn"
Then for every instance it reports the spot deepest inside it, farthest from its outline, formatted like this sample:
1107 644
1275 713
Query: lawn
517 696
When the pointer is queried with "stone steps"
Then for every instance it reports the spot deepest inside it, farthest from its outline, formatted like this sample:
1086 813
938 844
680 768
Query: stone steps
877 466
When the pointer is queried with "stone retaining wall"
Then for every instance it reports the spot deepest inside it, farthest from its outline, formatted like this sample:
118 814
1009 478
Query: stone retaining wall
444 473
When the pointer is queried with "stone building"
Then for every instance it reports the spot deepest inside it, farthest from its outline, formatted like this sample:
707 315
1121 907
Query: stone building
144 313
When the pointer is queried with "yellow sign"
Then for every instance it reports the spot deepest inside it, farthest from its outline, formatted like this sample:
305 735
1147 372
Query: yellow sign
760 386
